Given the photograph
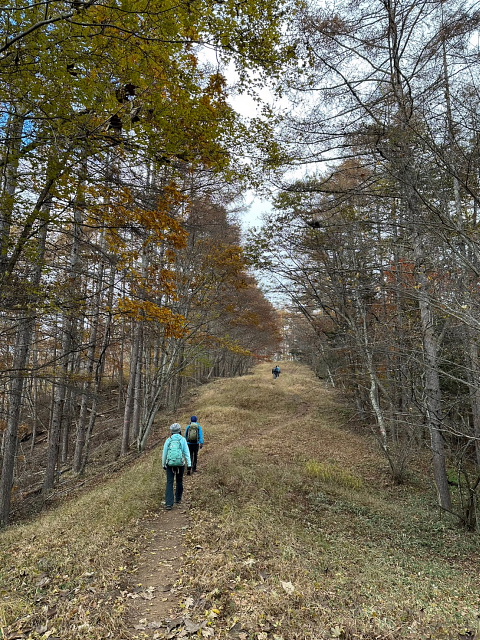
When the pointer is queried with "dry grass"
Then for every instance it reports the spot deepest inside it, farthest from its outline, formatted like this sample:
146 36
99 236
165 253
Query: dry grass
61 575
302 536
297 534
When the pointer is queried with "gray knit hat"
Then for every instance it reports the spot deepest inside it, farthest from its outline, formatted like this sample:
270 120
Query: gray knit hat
175 428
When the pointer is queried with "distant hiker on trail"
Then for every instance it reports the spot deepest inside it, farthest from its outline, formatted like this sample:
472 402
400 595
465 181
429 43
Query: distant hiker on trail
194 438
276 371
175 455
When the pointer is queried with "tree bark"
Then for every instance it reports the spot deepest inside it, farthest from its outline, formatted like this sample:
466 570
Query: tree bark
23 341
22 346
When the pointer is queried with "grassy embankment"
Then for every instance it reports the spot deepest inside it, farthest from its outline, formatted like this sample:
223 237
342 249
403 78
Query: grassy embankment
297 533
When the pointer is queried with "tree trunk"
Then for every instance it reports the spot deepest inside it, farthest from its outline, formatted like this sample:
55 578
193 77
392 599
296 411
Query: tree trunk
137 387
13 143
57 409
475 391
403 160
99 374
25 332
22 346
69 331
81 429
432 380
129 401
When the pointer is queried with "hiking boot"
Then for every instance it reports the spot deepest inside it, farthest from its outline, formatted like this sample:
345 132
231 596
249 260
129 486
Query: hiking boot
168 507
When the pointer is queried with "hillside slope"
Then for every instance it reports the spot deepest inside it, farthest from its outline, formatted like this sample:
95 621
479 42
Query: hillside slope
292 531
302 533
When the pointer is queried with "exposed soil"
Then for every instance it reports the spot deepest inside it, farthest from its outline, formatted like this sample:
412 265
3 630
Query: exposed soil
157 593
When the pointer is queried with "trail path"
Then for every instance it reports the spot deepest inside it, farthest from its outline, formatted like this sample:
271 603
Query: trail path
161 599
156 595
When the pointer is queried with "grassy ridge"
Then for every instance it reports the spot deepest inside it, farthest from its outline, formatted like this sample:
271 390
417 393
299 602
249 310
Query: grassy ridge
302 535
297 533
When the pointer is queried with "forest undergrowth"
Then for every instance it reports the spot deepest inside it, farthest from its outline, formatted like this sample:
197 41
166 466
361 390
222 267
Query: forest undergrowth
296 533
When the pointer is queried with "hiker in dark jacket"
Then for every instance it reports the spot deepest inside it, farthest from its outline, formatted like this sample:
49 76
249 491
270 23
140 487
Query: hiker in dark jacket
276 371
175 456
194 438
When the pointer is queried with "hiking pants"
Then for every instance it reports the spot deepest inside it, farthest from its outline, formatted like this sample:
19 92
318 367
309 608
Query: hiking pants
193 448
174 476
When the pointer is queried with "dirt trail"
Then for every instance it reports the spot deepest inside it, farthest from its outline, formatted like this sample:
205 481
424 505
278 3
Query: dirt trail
154 594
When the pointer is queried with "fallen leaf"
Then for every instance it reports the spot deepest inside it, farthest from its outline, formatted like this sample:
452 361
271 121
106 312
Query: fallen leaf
174 624
154 625
288 587
213 613
191 626
43 582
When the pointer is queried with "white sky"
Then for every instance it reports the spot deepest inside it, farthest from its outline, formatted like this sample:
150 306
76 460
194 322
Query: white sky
256 207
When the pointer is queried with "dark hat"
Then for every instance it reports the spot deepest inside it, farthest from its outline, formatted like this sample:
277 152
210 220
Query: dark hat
193 419
175 428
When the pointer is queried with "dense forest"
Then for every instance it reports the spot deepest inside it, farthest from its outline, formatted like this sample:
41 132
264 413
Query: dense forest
120 265
377 246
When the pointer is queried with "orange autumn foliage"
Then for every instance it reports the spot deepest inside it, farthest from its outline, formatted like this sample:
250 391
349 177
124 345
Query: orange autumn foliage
144 310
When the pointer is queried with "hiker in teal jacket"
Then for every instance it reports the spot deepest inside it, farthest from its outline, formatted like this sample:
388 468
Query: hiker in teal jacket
194 438
175 456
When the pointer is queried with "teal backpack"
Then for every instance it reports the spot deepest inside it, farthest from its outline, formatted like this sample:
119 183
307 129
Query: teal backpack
175 453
